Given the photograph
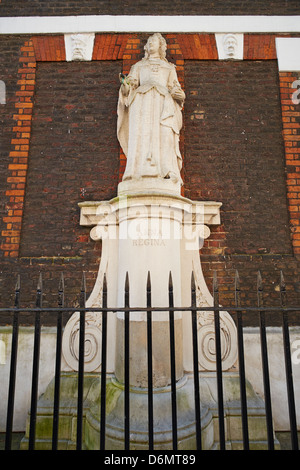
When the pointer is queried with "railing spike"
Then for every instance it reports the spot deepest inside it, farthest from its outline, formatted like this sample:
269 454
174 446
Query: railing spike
104 283
18 283
215 282
282 290
193 290
82 296
126 290
237 281
170 282
83 282
193 285
127 282
259 289
282 282
61 290
148 282
40 283
61 285
237 288
259 281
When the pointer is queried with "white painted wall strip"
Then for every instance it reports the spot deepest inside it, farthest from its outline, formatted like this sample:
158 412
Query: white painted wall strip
164 24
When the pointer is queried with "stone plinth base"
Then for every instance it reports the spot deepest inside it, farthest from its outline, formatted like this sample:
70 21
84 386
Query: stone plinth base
67 412
162 418
139 415
149 185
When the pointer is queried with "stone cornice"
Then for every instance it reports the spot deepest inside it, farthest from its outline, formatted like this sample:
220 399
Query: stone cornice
148 23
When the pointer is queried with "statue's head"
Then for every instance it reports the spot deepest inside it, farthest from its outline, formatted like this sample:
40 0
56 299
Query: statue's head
162 45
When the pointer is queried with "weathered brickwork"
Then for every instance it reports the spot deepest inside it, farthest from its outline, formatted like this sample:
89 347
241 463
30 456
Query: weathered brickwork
49 48
10 54
239 143
234 152
19 151
73 154
291 136
140 7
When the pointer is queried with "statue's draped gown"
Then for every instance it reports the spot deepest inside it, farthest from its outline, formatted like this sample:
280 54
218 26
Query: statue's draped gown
149 121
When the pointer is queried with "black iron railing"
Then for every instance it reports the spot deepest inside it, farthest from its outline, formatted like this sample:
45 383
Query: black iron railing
237 311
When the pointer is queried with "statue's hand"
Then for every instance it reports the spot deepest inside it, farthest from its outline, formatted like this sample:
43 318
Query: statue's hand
125 85
178 94
125 88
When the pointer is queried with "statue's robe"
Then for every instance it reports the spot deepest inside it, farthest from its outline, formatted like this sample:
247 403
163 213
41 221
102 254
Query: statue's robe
149 121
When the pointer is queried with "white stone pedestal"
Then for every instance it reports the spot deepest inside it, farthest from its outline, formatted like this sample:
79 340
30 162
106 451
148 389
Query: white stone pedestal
159 232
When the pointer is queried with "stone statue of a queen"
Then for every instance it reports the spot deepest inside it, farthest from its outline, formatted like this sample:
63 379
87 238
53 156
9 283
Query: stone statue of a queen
149 116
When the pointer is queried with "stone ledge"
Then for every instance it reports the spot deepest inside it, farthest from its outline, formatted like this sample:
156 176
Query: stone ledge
104 212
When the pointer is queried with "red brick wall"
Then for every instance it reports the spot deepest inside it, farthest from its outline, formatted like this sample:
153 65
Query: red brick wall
291 136
234 154
17 168
155 7
239 142
74 154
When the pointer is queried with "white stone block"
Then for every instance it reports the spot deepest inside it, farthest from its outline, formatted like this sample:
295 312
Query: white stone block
288 54
79 47
230 46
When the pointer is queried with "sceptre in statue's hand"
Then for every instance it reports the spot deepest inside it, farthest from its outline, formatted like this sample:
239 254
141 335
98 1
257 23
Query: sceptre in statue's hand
123 79
125 84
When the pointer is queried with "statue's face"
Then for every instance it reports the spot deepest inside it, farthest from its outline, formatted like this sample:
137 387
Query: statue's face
153 44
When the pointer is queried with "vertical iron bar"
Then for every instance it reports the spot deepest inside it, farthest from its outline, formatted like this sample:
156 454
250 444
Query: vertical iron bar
35 367
61 293
126 366
81 364
241 363
219 362
172 364
13 367
196 365
288 366
150 366
265 364
103 366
